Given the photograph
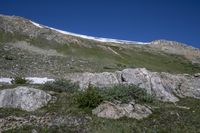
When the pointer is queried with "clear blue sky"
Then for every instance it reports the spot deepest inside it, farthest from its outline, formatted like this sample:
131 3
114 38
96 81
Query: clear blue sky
136 20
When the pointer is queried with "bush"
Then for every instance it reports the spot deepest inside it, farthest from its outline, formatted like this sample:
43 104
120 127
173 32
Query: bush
19 80
93 96
8 57
125 94
89 98
60 86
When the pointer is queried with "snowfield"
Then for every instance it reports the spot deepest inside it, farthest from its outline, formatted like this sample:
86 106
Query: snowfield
97 38
36 24
100 39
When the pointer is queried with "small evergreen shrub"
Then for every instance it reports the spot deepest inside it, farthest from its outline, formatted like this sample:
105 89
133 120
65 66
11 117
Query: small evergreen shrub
125 94
89 98
60 86
8 57
19 80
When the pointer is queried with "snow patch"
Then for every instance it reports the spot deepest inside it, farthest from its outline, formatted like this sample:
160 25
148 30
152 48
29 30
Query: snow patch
36 80
6 80
36 24
32 80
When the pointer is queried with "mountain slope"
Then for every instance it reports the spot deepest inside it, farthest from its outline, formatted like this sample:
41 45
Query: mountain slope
31 49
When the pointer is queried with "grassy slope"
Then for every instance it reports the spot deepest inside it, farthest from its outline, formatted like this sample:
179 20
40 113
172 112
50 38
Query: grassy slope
102 59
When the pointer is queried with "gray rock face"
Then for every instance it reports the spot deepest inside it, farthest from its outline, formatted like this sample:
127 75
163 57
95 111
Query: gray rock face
151 81
163 86
24 98
104 79
116 111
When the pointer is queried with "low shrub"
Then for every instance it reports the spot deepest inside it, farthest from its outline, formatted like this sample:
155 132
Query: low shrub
8 57
19 80
60 86
93 96
89 98
125 94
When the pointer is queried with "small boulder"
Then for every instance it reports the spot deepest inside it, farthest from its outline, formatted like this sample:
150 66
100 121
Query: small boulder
116 111
24 98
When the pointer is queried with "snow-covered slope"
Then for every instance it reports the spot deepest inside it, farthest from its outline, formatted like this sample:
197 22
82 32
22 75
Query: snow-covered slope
90 37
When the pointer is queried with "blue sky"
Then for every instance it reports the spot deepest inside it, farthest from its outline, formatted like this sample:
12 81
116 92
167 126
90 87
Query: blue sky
136 20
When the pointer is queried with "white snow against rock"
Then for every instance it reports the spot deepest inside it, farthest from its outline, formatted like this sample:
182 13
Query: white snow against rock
32 80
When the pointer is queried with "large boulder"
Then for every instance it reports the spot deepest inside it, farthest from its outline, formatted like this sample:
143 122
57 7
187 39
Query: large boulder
24 98
150 81
116 111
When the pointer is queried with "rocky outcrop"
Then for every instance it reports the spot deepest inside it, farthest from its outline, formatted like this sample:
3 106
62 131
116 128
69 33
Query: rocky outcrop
177 48
24 98
164 86
116 111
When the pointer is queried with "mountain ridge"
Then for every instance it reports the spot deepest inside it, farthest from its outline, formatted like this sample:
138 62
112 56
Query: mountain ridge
100 39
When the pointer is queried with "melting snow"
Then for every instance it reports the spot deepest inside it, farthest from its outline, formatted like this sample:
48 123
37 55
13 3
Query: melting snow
36 80
36 24
33 80
6 80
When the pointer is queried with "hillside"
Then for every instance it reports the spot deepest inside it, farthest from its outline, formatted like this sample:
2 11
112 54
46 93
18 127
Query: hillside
28 48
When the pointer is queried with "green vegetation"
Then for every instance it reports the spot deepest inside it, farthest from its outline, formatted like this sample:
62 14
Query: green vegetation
166 117
89 98
132 57
7 57
93 96
92 56
19 80
125 94
10 37
60 86
5 112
